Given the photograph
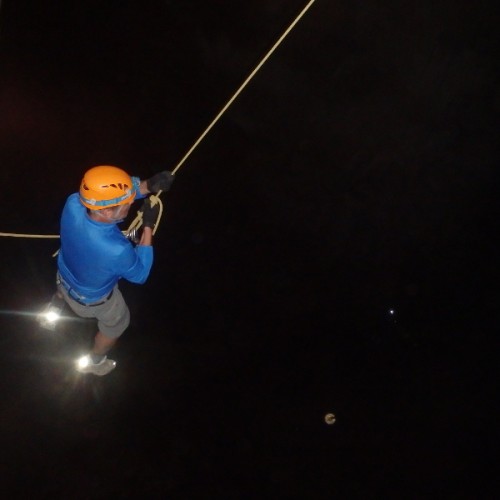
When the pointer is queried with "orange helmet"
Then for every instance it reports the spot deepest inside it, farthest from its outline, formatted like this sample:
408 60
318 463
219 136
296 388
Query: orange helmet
106 186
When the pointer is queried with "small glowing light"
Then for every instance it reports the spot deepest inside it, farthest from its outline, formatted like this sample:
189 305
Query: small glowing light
392 312
52 316
330 418
83 362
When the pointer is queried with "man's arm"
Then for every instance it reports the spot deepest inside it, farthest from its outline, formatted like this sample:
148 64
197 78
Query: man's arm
143 255
146 237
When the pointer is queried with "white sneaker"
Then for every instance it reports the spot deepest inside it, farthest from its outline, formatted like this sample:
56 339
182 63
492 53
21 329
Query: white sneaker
85 365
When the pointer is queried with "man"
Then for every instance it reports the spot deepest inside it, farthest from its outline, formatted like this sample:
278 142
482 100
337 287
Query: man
94 253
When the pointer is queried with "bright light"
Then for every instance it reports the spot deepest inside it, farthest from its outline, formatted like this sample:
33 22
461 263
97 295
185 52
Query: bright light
49 317
52 316
391 312
83 362
51 313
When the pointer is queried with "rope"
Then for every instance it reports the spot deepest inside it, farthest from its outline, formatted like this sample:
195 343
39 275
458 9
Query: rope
244 84
137 222
19 235
135 225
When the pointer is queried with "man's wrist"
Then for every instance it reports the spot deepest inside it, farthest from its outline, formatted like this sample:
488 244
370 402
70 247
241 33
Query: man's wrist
146 236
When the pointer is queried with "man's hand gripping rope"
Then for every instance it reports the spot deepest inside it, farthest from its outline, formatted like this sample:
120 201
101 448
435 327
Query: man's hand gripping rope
151 210
148 215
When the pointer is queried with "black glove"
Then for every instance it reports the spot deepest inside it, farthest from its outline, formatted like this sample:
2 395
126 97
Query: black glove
149 213
162 181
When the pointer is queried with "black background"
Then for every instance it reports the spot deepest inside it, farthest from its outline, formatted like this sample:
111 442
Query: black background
354 175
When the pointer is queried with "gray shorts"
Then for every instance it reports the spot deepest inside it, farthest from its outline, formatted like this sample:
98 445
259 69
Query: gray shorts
113 316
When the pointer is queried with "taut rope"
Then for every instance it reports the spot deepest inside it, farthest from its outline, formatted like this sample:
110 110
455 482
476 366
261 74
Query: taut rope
137 222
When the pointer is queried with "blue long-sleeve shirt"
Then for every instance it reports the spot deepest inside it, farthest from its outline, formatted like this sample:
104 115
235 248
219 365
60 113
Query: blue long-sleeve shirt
95 255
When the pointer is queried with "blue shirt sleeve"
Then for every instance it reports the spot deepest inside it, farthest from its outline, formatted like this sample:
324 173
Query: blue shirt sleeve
136 263
137 186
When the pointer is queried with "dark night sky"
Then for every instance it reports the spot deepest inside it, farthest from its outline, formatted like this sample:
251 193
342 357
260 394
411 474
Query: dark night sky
355 174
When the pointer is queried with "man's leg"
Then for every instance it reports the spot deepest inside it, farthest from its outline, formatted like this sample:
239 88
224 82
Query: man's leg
102 344
113 318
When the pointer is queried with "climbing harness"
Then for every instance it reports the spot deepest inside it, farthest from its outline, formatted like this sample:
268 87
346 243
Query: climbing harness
132 231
